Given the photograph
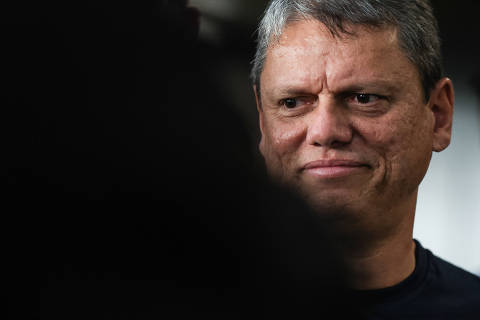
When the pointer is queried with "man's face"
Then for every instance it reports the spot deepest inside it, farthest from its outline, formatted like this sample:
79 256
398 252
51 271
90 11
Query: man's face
343 119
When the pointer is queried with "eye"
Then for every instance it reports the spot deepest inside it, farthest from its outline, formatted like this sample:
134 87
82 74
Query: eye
364 98
290 103
297 102
367 104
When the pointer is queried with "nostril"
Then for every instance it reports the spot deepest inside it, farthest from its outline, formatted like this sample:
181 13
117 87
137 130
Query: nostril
334 136
333 144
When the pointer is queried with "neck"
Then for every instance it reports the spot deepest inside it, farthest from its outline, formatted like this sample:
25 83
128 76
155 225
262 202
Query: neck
375 260
382 265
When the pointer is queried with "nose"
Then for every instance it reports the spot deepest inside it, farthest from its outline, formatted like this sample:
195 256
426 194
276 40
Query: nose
329 125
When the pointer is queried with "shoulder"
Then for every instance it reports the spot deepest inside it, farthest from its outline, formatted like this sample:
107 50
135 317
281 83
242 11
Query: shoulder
454 291
452 277
437 289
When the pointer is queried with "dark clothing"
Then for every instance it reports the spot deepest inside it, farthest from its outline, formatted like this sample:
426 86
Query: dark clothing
435 290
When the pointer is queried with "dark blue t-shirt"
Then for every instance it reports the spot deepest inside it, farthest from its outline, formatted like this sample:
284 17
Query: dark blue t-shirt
435 290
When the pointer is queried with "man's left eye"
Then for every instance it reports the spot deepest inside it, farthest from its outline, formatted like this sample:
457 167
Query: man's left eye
364 98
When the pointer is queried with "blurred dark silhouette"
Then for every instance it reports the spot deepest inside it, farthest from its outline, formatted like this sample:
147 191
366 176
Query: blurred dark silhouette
129 186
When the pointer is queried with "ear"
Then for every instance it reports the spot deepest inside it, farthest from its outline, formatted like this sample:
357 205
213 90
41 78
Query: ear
441 103
261 145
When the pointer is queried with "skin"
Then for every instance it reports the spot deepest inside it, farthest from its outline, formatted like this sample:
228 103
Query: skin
344 121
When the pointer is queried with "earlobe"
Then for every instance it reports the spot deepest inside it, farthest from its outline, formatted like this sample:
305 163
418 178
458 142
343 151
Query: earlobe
441 103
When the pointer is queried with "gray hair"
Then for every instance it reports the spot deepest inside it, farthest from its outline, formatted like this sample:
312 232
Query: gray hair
414 20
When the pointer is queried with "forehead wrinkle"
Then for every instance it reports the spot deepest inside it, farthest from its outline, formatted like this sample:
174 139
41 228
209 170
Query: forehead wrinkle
293 48
349 54
323 47
323 56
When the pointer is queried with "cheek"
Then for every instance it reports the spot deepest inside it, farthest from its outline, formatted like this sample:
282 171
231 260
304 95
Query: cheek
403 147
412 137
378 137
282 139
397 134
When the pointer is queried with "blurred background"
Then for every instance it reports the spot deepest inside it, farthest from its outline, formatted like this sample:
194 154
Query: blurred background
448 211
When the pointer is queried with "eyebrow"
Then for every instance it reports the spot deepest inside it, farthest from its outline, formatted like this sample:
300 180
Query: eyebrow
370 85
378 84
291 91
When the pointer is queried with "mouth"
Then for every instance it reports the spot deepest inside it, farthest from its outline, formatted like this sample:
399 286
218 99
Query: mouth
331 169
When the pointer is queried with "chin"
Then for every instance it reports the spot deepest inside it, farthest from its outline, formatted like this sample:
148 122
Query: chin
333 206
329 208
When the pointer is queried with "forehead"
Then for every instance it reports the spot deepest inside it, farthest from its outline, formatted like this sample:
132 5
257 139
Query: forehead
307 51
317 37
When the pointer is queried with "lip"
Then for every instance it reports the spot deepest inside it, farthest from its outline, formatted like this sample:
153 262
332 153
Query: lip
335 168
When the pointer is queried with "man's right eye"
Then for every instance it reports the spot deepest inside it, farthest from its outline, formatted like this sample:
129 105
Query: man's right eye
300 102
289 103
